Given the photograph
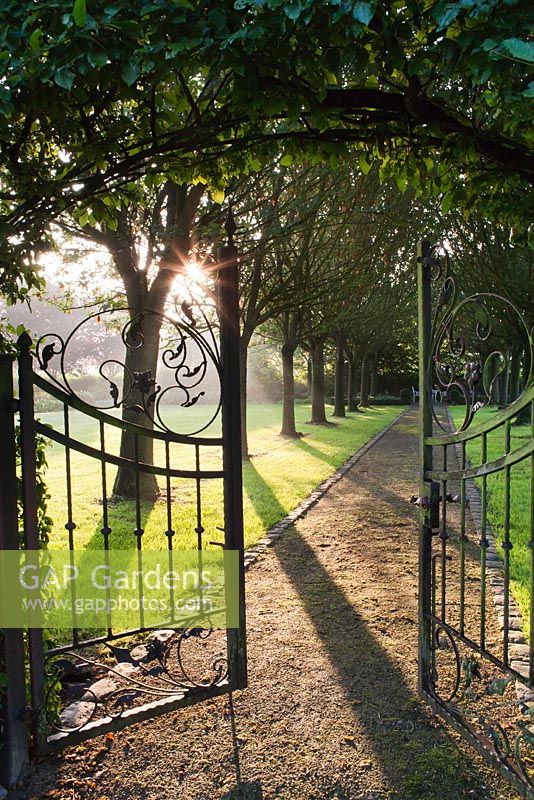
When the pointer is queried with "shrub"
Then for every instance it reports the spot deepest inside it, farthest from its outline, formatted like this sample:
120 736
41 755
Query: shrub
406 395
455 397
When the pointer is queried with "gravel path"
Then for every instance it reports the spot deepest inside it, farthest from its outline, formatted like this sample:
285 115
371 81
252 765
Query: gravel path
331 710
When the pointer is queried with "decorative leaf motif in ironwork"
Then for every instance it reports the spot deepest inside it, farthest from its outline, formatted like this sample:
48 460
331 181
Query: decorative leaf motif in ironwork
140 393
114 392
191 401
143 381
188 312
47 355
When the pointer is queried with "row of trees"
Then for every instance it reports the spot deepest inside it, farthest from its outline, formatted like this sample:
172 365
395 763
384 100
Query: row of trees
326 265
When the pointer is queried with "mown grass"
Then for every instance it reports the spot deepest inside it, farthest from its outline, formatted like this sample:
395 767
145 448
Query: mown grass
520 494
281 473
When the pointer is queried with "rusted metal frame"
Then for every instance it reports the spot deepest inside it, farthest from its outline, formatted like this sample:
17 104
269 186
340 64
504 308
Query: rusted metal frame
14 731
120 461
484 469
496 660
497 420
482 746
156 708
131 427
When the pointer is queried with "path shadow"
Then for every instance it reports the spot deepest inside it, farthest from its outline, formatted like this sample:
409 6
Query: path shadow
243 790
302 444
374 687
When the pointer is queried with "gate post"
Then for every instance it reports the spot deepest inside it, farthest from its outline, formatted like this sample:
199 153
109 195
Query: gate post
31 529
228 310
13 731
424 302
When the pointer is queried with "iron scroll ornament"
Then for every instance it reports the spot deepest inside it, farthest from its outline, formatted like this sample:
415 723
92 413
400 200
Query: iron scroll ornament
144 671
455 359
190 357
483 701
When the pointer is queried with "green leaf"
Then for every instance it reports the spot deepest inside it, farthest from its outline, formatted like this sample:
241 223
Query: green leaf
64 77
529 91
364 164
363 12
217 195
130 72
35 40
97 58
293 10
518 48
286 160
446 202
79 12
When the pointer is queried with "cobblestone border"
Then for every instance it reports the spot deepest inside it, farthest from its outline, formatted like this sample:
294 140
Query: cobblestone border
276 530
518 648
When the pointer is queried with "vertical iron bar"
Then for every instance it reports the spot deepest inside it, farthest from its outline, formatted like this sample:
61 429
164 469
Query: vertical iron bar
138 529
484 543
531 545
14 734
70 525
228 310
424 297
105 530
169 533
443 535
506 545
462 539
199 530
31 531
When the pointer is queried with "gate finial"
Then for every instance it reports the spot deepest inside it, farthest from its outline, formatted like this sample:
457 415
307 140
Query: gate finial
24 342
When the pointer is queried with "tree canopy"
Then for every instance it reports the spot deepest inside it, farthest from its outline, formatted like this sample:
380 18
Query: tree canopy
96 93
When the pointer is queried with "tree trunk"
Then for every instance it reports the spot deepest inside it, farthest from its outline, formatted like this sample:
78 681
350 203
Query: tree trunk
318 411
352 404
139 362
373 380
364 387
243 360
182 205
505 382
515 374
339 380
525 416
288 393
309 377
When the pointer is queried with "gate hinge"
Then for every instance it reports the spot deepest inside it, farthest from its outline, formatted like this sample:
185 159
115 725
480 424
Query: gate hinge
422 502
429 504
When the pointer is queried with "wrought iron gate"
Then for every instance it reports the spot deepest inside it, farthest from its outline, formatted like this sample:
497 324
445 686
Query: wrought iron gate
112 678
476 666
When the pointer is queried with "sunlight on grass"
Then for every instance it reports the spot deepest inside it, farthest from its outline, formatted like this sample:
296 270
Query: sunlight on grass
281 473
520 489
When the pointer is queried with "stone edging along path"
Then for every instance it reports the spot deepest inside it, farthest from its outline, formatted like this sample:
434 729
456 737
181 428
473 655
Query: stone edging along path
517 642
276 530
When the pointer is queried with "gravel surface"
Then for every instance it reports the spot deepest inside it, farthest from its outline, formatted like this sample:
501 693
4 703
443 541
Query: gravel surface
331 710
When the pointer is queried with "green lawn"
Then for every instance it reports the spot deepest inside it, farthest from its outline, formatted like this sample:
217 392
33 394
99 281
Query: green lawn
281 473
520 489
